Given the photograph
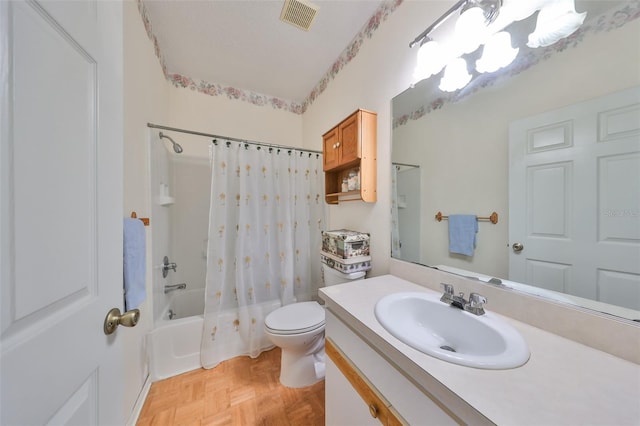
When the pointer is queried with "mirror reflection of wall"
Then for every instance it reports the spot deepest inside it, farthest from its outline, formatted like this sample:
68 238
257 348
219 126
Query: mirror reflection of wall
462 147
407 198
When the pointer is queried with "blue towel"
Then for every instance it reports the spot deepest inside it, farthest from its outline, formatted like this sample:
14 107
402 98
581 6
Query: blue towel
462 233
134 254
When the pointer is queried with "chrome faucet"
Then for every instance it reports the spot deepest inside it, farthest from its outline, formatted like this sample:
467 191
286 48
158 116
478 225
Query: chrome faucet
474 305
166 266
174 287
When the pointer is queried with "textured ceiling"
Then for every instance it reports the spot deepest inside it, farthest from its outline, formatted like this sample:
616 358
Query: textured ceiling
243 44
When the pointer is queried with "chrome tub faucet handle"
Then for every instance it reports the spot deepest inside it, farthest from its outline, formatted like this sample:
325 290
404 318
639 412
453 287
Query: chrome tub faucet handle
166 265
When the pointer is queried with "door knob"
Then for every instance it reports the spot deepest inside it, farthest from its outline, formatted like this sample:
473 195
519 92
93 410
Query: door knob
114 319
517 247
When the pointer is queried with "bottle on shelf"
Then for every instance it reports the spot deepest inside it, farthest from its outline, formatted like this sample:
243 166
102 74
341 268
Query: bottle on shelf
351 181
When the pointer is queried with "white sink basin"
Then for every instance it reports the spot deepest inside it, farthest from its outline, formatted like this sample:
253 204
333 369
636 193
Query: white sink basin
425 323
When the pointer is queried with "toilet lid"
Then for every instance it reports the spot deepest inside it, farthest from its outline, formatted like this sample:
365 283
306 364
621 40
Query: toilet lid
295 318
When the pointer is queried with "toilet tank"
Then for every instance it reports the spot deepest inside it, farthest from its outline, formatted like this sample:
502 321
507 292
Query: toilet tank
333 277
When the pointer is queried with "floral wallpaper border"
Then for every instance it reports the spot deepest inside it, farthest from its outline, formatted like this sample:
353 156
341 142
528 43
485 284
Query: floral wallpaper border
214 89
606 22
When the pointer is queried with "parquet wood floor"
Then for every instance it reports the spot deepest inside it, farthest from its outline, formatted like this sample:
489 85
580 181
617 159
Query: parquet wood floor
240 391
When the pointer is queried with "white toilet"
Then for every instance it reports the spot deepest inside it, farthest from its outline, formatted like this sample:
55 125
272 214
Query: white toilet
298 329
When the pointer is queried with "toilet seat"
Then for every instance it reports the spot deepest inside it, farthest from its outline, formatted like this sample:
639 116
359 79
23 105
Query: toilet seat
295 318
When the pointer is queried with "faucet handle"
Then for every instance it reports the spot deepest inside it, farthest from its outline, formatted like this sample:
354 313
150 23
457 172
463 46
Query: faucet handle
447 296
448 288
476 299
476 304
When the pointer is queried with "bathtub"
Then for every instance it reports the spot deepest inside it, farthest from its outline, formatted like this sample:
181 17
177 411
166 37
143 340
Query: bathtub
174 345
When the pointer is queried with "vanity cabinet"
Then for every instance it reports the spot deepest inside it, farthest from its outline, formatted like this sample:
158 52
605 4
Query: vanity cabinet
363 388
349 389
346 147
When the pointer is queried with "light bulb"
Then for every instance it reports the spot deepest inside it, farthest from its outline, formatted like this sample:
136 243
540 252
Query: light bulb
497 53
555 21
430 61
455 76
470 30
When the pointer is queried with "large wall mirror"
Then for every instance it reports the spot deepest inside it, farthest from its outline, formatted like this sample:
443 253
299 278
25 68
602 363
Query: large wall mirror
552 145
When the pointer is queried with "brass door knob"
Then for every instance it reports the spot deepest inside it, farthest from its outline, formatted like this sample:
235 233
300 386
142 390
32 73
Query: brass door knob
114 319
517 247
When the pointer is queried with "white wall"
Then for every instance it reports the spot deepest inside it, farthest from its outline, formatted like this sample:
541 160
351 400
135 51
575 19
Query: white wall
145 99
381 70
219 115
190 219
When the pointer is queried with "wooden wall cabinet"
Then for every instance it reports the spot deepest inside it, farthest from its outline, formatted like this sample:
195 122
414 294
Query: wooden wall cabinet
351 145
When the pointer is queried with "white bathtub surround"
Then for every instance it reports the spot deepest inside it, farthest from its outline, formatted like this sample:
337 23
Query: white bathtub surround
564 382
185 303
266 214
174 345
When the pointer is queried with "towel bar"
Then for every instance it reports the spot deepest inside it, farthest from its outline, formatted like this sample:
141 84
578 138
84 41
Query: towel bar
493 218
144 220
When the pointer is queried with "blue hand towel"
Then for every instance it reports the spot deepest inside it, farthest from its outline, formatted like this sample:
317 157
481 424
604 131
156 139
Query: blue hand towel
134 262
462 233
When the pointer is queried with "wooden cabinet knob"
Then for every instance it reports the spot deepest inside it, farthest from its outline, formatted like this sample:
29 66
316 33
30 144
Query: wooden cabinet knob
373 410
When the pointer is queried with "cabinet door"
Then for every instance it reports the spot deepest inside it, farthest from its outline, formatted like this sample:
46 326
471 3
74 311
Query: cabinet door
343 405
330 149
350 139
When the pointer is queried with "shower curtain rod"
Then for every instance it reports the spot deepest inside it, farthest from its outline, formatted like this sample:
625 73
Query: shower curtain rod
406 165
209 135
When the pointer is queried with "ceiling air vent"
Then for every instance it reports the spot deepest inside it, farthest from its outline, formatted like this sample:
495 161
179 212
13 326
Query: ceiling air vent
299 13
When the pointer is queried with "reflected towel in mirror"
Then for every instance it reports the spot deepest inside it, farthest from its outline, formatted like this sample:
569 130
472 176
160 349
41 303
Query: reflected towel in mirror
462 233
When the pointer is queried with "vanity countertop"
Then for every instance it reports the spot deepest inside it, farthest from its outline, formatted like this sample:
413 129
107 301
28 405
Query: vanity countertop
563 383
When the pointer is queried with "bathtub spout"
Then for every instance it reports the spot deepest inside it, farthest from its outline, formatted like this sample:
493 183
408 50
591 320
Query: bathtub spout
174 287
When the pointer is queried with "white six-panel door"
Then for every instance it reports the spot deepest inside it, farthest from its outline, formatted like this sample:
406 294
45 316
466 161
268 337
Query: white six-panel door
574 199
61 211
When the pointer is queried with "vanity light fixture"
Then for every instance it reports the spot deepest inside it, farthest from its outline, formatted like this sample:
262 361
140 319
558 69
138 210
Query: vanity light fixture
470 30
483 23
456 75
556 20
431 60
497 53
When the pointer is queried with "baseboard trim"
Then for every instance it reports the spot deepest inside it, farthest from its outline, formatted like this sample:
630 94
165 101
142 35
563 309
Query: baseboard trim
142 397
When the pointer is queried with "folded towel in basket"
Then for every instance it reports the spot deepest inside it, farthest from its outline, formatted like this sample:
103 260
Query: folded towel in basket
134 263
462 233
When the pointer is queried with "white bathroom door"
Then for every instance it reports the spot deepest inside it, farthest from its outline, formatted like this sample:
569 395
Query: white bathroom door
60 211
574 199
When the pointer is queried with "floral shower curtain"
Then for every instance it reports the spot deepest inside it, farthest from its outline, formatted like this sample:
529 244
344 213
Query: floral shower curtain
267 211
